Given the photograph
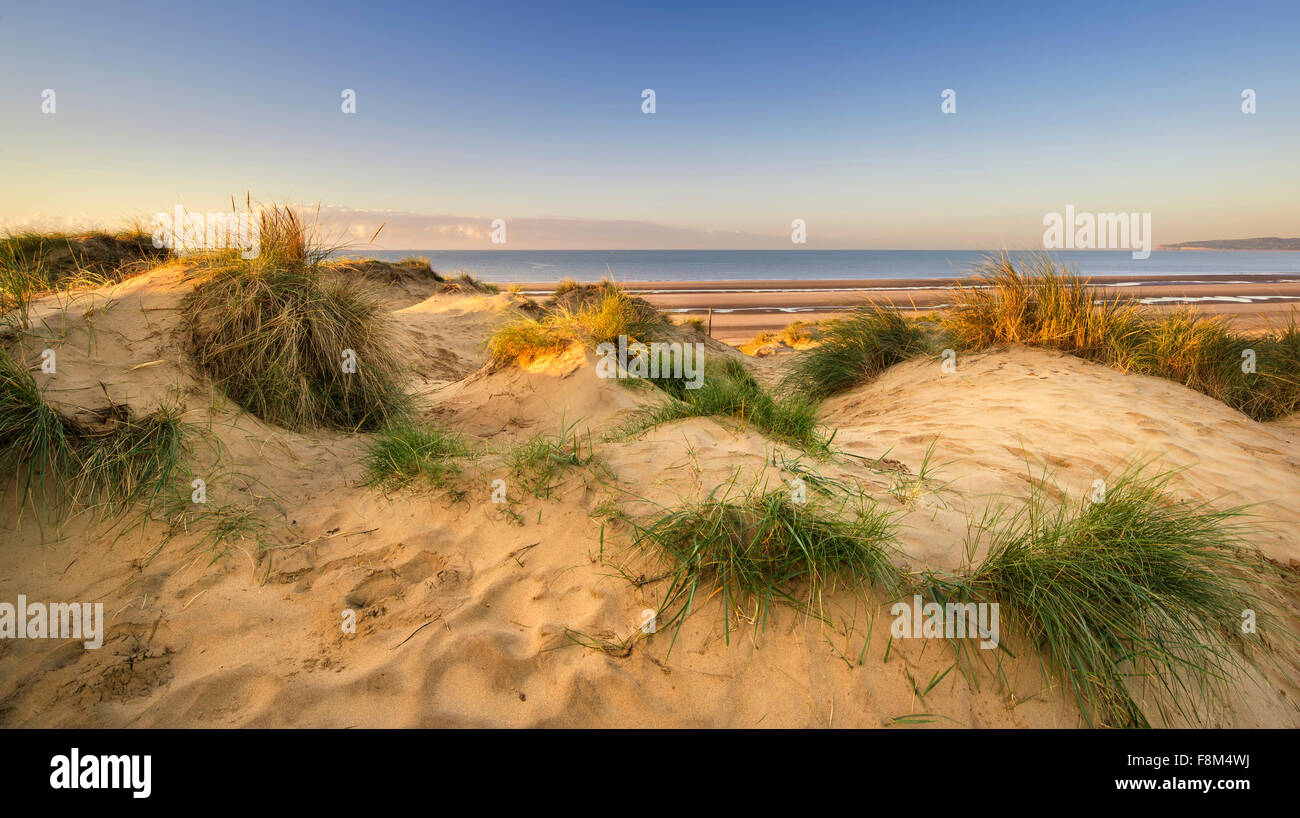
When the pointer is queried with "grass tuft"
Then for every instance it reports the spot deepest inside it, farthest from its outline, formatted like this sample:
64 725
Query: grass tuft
759 343
34 263
408 453
802 334
466 282
585 315
36 442
589 315
112 465
1138 594
760 547
273 333
855 349
539 462
1041 304
730 390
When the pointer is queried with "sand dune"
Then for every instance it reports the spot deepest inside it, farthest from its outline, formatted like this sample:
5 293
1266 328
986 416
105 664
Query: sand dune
467 615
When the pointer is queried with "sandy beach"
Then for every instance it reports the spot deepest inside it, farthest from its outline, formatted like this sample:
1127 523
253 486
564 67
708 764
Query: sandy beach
471 616
742 309
377 378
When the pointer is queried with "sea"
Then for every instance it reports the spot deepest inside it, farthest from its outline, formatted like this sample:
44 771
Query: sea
507 266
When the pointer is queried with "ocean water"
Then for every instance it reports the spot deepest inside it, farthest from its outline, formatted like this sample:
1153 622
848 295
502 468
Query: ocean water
808 265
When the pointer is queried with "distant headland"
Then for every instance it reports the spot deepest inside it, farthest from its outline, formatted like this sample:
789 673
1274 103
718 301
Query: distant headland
1263 243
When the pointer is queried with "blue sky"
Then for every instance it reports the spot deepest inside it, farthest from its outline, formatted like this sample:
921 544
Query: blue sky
531 112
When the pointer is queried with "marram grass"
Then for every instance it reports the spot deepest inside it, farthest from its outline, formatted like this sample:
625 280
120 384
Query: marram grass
539 463
755 548
577 316
33 263
293 342
591 315
115 465
58 260
408 454
36 442
1133 602
1039 303
729 390
855 349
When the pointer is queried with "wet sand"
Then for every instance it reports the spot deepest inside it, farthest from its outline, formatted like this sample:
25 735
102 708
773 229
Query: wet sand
741 309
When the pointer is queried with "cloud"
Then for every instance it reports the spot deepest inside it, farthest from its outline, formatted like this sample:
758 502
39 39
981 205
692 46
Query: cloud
417 231
354 229
64 224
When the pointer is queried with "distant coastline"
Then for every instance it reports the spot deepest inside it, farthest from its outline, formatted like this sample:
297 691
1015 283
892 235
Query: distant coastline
1263 243
511 266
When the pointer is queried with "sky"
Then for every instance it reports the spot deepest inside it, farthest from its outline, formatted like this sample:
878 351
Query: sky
532 112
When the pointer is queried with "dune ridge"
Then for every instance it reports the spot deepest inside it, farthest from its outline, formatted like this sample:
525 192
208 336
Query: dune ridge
474 613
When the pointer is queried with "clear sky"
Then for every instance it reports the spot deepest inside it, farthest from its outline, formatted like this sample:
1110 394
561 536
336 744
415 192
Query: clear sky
532 112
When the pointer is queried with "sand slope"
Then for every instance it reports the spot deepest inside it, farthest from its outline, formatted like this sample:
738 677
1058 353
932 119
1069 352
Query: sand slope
468 615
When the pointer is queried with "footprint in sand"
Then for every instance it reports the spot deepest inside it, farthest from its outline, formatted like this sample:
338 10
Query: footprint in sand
374 589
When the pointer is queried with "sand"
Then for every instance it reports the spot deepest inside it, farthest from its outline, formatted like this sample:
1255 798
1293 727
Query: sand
744 308
467 611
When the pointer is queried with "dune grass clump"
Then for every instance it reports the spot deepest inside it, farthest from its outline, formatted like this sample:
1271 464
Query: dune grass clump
582 315
465 282
132 461
565 285
728 389
1274 388
761 547
34 263
292 342
408 453
409 270
1135 598
412 269
759 343
590 315
855 349
58 260
1040 304
539 462
36 442
1200 352
109 465
801 334
1204 353
526 339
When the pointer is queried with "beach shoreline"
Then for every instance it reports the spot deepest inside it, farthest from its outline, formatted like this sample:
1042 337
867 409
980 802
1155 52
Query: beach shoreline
742 309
